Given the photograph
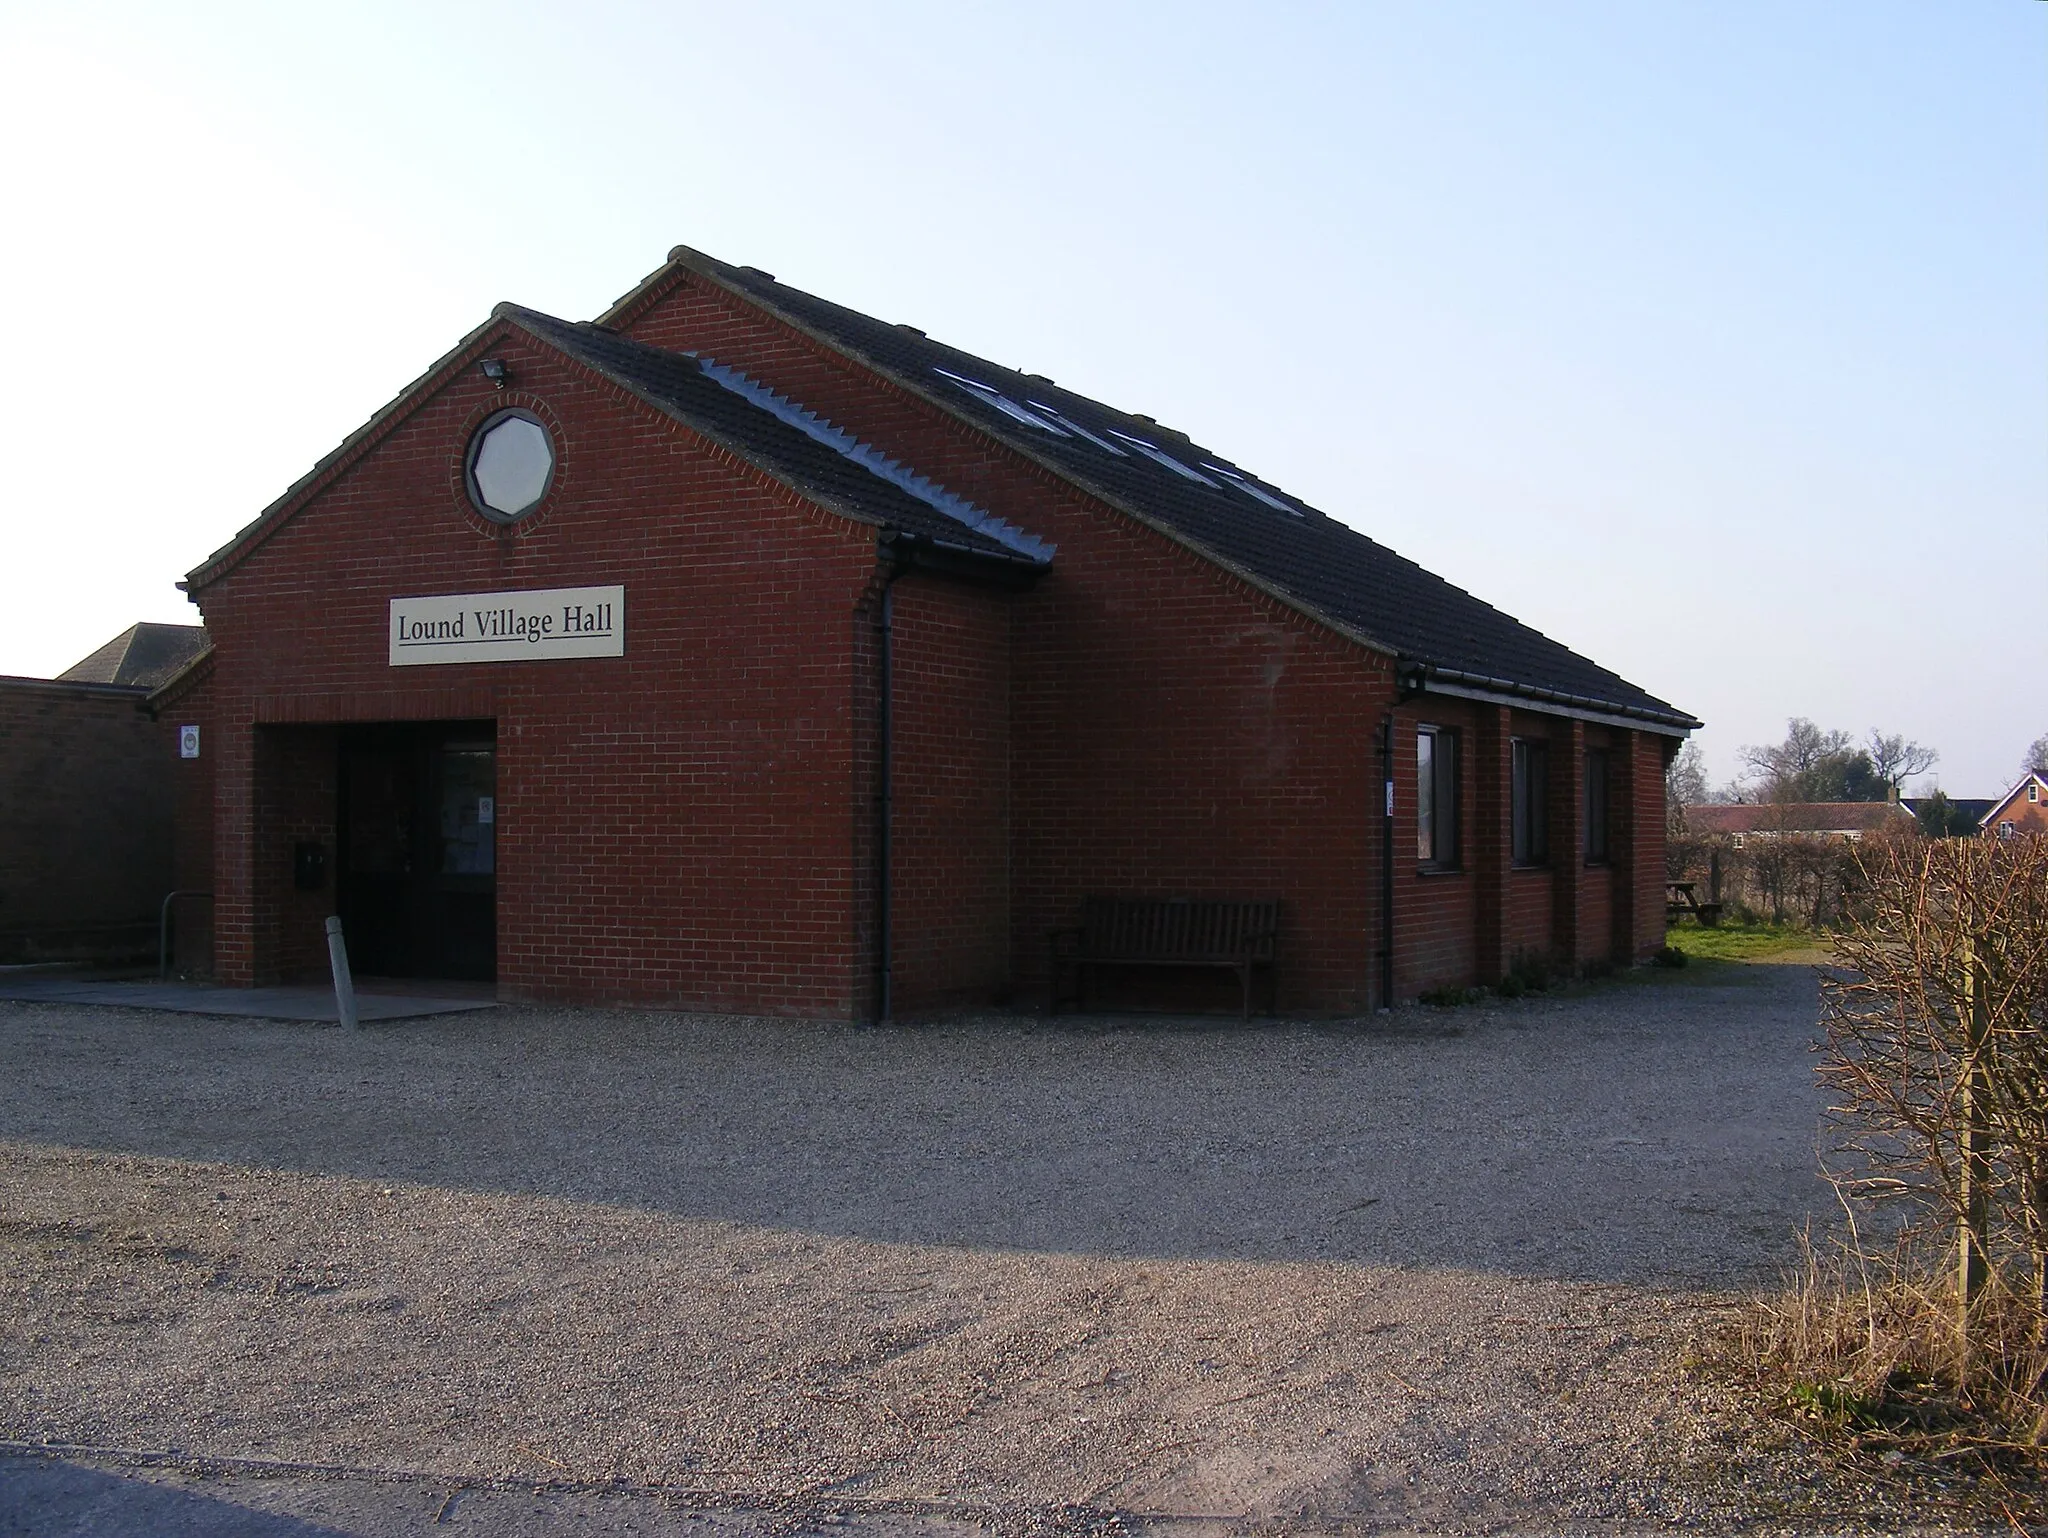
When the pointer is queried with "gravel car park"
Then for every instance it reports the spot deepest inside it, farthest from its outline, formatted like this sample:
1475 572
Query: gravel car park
1434 1268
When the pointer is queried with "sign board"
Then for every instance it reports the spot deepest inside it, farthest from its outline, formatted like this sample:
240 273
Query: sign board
509 627
188 742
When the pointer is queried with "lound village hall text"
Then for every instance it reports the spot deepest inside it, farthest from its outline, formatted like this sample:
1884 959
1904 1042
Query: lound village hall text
509 624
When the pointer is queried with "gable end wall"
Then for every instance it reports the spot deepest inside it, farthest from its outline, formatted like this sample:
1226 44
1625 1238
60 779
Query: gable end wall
674 823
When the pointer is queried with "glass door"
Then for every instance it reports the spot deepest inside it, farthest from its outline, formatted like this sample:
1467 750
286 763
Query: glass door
466 813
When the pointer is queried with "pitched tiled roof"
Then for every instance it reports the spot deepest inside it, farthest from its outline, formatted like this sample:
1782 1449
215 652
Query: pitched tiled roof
1997 808
142 656
782 438
1794 817
779 437
1324 566
1973 807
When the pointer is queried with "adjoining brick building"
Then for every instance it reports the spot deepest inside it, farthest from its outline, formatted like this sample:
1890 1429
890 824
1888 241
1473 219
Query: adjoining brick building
738 651
86 790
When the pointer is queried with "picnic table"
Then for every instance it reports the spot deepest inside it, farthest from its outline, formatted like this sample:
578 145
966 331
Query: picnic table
1682 898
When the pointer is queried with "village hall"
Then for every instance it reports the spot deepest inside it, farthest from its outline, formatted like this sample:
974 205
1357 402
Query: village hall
739 652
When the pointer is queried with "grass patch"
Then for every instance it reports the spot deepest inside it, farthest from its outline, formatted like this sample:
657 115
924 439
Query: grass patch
1863 1354
1739 942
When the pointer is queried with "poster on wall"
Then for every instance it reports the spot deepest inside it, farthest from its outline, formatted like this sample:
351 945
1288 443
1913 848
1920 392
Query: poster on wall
531 626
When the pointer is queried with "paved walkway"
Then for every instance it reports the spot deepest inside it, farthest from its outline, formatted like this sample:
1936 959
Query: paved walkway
376 999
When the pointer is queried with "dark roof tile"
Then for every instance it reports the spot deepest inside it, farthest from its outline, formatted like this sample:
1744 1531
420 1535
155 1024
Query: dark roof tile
813 458
142 656
1325 566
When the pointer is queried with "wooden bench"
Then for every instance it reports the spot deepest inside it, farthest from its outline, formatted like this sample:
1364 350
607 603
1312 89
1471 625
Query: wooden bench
1241 937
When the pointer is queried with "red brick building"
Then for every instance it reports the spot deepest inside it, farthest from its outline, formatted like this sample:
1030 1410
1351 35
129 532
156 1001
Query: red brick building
2021 810
739 651
87 781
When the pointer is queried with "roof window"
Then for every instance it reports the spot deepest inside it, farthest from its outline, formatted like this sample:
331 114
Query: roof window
1152 452
1001 402
1255 491
1076 428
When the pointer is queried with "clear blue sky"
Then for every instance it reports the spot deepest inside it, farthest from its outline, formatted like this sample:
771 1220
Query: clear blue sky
1710 338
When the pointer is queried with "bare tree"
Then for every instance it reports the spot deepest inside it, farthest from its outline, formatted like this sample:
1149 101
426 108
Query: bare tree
1938 1051
1685 784
1930 1334
2037 757
1896 760
1806 766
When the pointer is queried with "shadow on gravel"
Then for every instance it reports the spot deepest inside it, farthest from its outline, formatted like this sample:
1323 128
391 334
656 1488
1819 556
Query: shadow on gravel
1641 1133
54 1499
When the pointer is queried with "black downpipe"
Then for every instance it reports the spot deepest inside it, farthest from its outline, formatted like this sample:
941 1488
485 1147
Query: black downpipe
1410 688
1387 863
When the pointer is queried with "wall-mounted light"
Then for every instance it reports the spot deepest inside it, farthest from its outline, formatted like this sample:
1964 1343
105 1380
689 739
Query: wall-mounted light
495 371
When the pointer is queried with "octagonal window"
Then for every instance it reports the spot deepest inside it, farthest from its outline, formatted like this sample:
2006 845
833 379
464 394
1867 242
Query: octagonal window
511 462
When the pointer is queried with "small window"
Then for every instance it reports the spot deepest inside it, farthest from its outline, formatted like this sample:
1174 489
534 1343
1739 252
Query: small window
1596 807
1738 841
1530 836
2034 790
1436 798
511 465
2006 830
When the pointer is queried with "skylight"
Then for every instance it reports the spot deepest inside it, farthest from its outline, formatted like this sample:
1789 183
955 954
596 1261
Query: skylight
1050 419
1161 456
1077 429
1251 489
1001 402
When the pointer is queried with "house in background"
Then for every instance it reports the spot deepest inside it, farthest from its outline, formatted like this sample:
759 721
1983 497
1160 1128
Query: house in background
1852 820
739 651
1959 816
87 781
2023 809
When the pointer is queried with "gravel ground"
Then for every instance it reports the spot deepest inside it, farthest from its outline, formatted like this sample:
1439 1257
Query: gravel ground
1434 1270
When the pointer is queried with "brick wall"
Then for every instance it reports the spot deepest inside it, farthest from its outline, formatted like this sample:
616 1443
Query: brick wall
1173 731
1641 925
950 852
674 823
694 824
296 798
1471 925
191 704
86 813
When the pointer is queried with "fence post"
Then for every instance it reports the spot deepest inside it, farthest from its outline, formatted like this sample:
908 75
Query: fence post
1973 1269
344 985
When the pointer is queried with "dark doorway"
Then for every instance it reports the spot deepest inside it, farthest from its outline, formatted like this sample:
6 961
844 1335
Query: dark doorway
417 874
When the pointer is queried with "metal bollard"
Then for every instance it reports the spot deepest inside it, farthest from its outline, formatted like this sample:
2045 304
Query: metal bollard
344 985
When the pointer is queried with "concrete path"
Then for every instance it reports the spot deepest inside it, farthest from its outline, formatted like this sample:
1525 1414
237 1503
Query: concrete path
375 1000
